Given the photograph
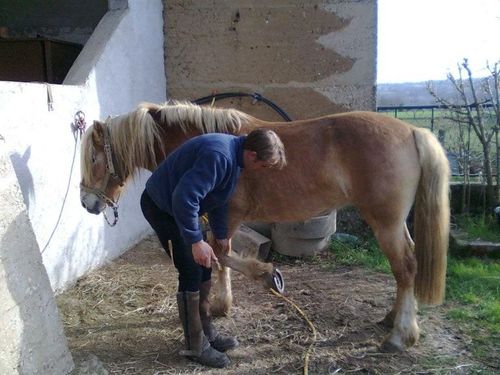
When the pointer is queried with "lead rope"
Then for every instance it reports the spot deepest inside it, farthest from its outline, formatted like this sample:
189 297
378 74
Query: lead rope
311 325
115 214
78 128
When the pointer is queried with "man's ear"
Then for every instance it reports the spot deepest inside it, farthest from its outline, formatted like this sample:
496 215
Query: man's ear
98 133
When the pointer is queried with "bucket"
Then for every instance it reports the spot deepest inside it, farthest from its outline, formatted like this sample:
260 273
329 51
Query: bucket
304 238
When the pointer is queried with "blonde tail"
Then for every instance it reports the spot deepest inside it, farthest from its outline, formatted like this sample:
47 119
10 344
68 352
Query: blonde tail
432 219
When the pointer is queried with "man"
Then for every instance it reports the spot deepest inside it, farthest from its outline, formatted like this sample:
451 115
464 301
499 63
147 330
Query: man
199 177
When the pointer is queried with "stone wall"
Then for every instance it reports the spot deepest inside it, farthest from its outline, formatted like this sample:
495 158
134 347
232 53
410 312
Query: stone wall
310 57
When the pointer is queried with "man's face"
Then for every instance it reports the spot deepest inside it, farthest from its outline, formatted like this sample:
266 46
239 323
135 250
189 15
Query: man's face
251 162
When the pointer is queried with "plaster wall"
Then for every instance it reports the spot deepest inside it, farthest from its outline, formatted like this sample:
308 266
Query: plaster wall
310 57
120 66
32 340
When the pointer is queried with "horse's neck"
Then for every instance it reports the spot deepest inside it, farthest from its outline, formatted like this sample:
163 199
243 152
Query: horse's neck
173 137
253 124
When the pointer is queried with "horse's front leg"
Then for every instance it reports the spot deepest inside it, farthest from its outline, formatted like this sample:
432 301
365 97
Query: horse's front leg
254 269
223 296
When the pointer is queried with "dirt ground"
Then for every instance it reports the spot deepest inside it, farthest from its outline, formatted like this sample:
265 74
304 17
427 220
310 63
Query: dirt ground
123 319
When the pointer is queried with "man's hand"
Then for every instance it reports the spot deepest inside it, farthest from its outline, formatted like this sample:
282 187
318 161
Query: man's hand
203 254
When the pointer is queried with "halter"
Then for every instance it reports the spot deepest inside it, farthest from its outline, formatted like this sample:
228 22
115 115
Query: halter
111 172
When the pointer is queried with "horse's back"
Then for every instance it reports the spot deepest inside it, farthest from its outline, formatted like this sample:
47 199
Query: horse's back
359 158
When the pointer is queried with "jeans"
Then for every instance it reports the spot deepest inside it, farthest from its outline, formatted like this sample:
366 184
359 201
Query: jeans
191 274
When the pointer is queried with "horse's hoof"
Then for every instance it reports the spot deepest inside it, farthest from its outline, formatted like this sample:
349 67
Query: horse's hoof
391 347
221 307
278 283
388 321
220 311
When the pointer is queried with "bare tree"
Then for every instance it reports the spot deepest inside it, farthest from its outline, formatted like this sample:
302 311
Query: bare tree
470 112
492 87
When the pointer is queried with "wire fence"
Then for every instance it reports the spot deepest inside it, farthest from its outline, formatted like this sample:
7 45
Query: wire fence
460 143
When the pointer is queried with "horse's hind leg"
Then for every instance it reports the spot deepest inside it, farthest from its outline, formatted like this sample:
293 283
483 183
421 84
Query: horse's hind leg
397 245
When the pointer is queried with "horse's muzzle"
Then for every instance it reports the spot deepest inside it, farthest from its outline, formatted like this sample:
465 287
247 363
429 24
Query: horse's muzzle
92 204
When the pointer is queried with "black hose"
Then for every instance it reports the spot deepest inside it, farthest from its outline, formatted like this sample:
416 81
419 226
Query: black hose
256 96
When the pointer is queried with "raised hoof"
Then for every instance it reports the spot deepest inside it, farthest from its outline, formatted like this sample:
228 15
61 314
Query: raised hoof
275 281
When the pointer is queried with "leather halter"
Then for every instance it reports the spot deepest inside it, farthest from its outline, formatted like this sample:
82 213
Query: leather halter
112 173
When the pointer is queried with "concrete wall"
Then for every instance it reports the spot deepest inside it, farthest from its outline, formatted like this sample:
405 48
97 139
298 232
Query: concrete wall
310 57
120 66
32 340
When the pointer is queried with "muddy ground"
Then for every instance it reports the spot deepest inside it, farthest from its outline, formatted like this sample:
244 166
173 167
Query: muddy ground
123 319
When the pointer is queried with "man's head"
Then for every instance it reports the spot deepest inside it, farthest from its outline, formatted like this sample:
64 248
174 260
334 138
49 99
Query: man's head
263 149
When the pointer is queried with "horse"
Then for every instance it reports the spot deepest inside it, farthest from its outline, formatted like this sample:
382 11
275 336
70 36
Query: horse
379 164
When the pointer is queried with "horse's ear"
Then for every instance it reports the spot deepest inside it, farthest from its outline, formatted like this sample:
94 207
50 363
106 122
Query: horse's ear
155 114
98 133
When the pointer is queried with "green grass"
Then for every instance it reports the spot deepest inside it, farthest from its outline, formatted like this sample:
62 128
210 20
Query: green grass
361 253
473 289
479 227
472 292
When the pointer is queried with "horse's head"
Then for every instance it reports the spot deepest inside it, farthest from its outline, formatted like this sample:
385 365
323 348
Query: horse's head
101 182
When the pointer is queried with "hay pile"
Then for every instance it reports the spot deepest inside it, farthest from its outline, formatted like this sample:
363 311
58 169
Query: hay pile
125 314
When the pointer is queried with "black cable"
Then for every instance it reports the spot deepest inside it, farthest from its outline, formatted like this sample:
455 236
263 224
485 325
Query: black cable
256 96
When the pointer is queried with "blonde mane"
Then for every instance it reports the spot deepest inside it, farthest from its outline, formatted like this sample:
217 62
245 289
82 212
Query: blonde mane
192 117
136 136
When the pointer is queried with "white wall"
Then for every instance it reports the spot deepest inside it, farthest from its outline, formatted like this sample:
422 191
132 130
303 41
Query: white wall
120 66
32 339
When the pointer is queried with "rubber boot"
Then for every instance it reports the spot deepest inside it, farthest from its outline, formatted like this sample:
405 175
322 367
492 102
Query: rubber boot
197 346
220 342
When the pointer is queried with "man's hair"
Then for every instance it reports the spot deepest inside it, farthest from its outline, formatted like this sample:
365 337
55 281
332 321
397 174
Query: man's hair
267 145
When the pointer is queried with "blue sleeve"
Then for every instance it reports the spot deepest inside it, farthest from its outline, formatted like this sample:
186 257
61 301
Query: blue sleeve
217 219
193 186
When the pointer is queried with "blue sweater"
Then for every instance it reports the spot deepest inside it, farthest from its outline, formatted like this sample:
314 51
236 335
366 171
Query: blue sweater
196 178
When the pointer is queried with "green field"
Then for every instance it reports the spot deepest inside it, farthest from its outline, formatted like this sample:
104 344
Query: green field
438 120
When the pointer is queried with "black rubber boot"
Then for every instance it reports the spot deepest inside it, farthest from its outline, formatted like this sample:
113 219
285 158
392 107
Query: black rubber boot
218 341
198 348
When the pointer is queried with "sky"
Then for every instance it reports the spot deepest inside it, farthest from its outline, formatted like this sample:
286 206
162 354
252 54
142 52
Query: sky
422 40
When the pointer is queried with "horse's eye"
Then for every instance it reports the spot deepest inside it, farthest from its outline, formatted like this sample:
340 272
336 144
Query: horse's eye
93 159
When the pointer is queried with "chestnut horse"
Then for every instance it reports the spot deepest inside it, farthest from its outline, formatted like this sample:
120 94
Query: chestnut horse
379 164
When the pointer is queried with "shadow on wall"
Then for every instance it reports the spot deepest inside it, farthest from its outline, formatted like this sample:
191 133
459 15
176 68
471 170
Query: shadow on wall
20 164
15 269
34 331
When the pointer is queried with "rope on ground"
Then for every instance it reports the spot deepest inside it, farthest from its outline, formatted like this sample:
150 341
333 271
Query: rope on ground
308 321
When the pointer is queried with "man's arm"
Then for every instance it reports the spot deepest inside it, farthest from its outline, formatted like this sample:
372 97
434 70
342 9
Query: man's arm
217 219
194 185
